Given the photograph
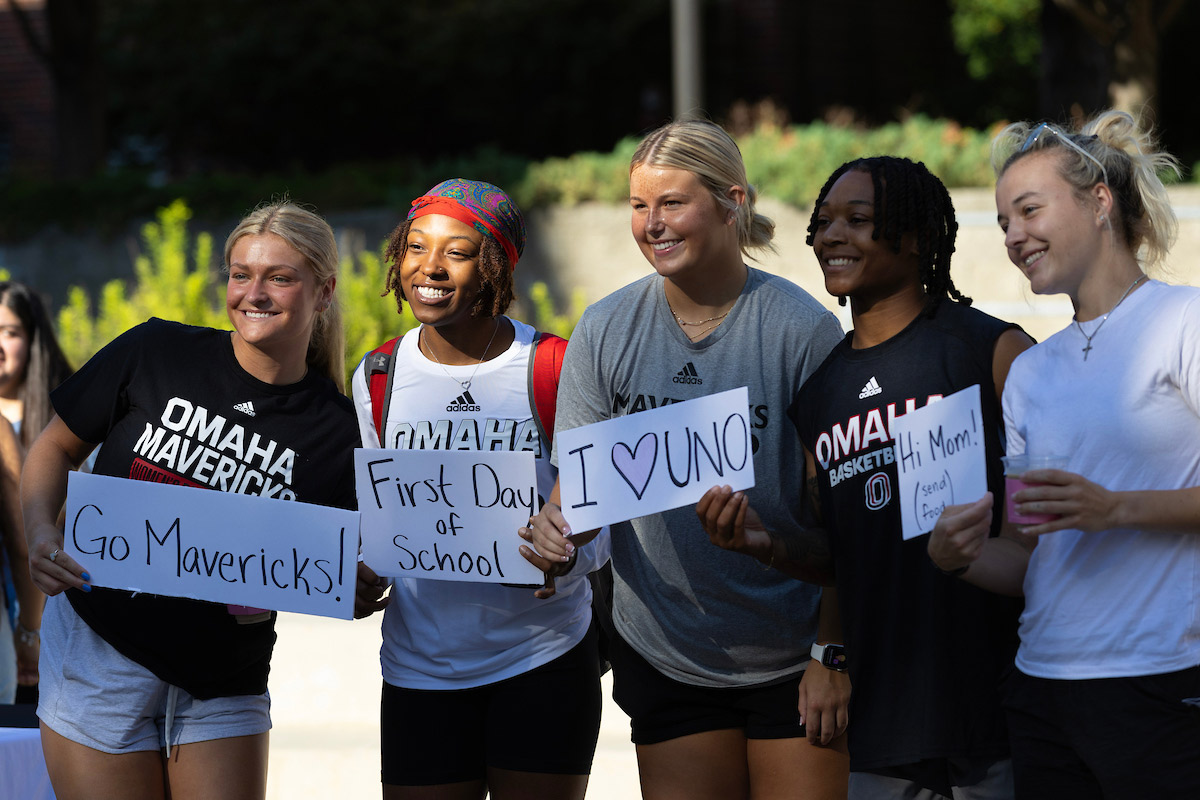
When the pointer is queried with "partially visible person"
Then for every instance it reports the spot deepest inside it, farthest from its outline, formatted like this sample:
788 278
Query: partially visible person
143 696
31 365
462 662
713 649
1106 699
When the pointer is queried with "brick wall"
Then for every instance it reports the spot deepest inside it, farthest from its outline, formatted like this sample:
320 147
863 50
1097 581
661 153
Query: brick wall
26 97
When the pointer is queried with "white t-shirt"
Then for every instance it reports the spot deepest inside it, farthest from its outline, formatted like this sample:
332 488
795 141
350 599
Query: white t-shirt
457 635
1117 603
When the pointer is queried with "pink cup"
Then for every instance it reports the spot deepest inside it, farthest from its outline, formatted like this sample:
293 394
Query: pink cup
1014 467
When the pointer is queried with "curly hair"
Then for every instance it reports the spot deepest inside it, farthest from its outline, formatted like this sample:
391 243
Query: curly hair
496 291
908 199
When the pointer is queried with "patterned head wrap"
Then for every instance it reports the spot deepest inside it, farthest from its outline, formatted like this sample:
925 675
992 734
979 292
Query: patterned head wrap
484 207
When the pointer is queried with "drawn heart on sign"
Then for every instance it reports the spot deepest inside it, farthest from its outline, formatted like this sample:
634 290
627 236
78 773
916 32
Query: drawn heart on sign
636 465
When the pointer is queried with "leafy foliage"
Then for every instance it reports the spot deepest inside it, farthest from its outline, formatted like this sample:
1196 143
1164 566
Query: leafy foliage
997 35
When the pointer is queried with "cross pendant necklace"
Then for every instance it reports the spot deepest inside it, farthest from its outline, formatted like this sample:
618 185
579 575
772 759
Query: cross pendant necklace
1088 345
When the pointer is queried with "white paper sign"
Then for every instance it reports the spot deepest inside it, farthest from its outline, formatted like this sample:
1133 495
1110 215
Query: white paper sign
655 460
218 546
448 515
940 458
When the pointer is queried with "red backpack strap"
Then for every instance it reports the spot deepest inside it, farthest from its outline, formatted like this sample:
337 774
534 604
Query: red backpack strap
381 368
545 365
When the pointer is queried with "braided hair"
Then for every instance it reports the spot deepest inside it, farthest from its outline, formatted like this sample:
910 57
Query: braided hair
908 199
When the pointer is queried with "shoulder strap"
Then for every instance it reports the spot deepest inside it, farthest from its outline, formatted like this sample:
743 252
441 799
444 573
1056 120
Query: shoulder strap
381 368
545 365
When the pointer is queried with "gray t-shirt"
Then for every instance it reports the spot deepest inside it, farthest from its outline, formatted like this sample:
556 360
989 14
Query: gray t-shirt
702 615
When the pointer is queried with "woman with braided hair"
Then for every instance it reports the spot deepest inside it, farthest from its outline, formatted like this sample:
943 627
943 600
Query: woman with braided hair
925 651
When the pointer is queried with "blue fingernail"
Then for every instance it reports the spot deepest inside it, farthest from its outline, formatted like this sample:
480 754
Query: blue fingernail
86 577
86 587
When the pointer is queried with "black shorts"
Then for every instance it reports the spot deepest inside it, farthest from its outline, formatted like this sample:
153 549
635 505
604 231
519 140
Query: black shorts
1110 737
661 708
545 720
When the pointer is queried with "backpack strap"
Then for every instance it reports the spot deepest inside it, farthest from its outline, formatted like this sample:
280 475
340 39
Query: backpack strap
381 369
545 365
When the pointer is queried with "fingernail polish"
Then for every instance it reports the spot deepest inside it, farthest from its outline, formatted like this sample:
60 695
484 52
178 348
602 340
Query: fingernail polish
86 577
86 587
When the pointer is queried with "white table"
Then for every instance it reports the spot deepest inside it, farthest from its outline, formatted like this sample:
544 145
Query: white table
22 768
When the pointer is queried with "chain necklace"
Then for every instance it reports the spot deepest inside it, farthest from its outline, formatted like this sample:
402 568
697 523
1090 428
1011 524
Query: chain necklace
467 383
684 323
1103 319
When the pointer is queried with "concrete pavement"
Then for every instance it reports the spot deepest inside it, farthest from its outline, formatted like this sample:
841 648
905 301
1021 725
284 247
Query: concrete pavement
325 684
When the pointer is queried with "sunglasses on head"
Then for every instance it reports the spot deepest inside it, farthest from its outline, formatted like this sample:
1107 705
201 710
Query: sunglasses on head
1065 138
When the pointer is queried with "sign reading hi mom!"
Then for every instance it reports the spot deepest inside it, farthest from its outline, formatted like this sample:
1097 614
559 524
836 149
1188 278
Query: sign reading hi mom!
222 547
448 515
940 458
656 460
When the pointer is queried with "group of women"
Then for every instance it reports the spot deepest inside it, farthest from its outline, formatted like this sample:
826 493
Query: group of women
729 667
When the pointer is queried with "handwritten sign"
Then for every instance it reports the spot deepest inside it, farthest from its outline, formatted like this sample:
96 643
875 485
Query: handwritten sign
218 546
655 460
940 458
451 516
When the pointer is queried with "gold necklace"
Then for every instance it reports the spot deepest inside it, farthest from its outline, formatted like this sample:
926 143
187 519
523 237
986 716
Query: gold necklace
467 383
684 323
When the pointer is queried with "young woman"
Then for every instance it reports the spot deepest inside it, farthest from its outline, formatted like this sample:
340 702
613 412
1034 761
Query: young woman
1104 703
151 697
925 651
31 365
462 662
712 646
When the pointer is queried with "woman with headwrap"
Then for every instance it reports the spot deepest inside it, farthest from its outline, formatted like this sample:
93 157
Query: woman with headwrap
462 662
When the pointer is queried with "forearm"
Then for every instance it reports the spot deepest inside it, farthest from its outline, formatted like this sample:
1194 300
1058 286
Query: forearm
43 485
802 553
1001 567
1165 511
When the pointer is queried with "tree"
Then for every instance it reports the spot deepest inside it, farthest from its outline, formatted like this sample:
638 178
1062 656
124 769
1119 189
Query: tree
1128 31
70 51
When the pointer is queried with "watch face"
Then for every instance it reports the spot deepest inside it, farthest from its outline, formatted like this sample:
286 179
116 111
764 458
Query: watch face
834 657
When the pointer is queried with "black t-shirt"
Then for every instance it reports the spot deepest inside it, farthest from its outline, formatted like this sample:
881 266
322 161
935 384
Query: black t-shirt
926 651
171 404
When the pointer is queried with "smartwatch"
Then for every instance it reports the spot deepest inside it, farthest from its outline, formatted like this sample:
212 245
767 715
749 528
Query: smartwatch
831 656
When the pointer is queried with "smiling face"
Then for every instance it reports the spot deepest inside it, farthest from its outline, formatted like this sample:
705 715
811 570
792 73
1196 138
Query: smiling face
679 226
856 265
439 272
1050 234
273 297
14 352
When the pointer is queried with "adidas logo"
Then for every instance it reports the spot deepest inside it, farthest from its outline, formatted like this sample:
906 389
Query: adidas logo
246 408
687 375
464 402
870 390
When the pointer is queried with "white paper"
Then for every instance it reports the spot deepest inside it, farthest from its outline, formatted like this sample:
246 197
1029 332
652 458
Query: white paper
655 460
223 547
940 458
447 515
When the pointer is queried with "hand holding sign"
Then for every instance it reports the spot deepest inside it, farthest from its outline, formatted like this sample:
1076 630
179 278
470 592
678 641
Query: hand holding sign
940 458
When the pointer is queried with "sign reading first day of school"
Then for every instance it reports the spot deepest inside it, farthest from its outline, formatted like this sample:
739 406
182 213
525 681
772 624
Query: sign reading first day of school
222 547
447 515
940 458
655 460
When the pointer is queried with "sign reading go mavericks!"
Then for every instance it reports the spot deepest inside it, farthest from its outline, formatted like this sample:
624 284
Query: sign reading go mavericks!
451 516
652 461
208 545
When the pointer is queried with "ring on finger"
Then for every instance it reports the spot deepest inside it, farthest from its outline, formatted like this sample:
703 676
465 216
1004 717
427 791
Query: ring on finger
54 555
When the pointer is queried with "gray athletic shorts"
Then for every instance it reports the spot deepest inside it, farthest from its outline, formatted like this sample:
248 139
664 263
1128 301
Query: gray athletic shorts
91 694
